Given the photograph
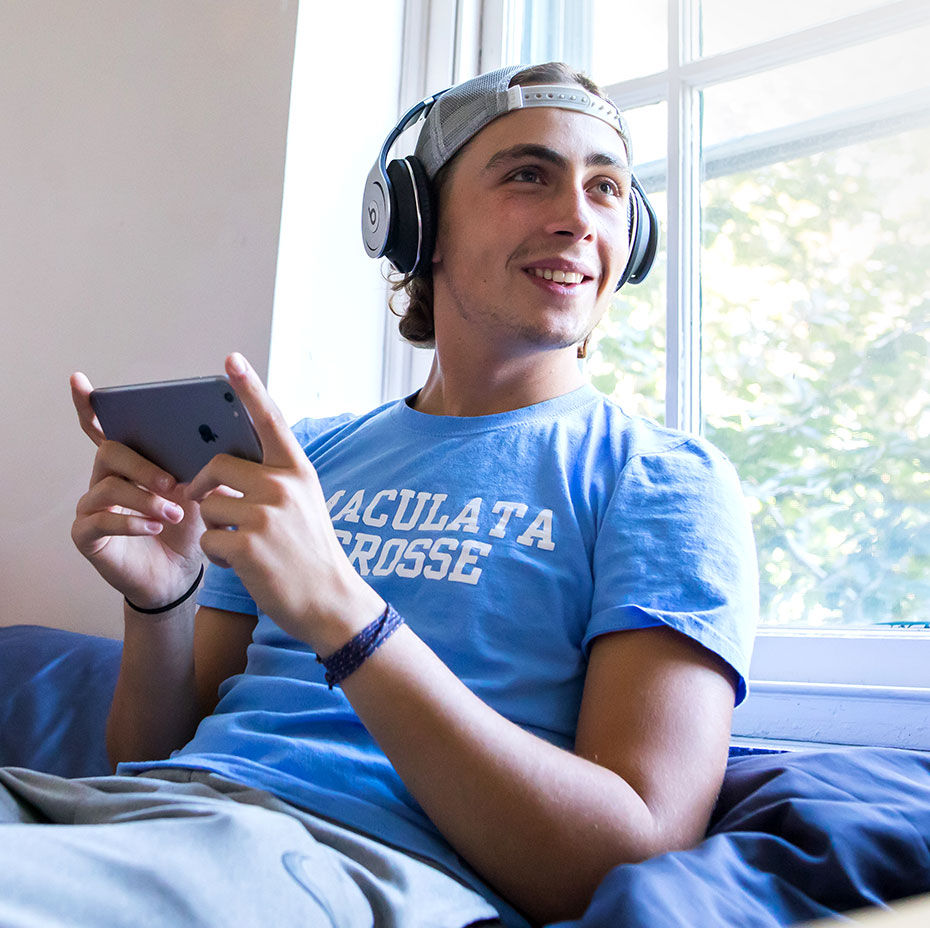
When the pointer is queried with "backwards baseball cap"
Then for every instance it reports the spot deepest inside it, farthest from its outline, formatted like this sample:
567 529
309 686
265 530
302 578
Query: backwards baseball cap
461 112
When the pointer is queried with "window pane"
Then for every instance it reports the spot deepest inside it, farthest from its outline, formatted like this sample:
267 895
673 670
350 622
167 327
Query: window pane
627 39
626 358
585 35
868 74
729 24
816 382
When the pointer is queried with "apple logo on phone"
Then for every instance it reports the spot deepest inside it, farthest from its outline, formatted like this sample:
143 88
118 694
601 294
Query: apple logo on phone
207 434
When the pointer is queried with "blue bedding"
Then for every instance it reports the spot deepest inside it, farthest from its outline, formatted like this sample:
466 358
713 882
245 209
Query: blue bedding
794 836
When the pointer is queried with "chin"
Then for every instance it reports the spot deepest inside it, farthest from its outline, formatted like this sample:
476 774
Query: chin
565 336
554 341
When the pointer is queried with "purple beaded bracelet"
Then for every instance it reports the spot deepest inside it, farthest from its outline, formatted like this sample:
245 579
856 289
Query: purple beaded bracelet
340 664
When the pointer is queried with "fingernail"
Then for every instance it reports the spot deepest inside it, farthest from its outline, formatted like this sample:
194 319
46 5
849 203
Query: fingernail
153 527
237 363
174 512
165 483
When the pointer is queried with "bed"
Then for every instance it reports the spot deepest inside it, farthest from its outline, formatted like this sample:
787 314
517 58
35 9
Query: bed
795 835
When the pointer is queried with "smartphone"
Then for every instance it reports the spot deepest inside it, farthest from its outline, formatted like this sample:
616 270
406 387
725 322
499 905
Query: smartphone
178 424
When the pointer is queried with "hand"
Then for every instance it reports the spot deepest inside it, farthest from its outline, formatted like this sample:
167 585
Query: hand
276 533
134 524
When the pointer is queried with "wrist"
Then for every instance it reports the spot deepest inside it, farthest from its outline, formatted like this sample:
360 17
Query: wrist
348 615
347 659
170 606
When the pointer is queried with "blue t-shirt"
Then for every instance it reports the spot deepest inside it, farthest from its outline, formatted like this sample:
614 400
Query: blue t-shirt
508 542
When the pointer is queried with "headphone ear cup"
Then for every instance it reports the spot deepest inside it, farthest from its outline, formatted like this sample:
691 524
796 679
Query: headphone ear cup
424 191
410 237
644 238
401 244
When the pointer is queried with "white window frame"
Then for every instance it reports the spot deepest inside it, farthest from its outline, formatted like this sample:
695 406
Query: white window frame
441 47
843 687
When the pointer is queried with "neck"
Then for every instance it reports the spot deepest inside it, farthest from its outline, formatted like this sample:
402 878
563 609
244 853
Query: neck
461 385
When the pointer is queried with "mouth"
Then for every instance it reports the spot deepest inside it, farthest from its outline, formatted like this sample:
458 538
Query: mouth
557 278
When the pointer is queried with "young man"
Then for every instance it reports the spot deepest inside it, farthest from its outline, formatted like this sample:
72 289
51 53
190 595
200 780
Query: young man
572 596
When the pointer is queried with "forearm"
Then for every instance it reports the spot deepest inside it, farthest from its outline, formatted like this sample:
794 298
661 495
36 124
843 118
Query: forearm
542 825
154 709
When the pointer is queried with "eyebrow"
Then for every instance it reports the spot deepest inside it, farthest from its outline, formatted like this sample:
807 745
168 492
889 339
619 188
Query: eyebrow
544 153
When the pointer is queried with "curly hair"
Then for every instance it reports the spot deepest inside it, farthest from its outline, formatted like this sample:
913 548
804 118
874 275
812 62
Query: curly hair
415 292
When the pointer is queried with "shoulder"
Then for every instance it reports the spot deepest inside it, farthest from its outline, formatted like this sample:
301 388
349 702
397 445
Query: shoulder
690 462
675 490
639 449
315 433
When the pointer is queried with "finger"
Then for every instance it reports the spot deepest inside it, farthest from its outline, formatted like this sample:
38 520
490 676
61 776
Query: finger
279 447
228 475
114 491
117 459
80 395
218 546
221 511
228 491
90 533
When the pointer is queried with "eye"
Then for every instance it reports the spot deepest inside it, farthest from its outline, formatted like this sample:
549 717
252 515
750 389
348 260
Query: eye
608 187
527 175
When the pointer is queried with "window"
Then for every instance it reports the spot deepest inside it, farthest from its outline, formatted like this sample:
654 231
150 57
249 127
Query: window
788 316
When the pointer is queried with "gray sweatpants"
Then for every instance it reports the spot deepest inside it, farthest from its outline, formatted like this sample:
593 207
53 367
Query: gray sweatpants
183 848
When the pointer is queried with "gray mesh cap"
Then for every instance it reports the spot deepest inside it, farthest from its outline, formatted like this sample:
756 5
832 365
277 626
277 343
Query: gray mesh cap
464 110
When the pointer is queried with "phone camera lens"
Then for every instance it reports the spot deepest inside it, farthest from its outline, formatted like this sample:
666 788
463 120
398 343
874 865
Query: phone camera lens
228 396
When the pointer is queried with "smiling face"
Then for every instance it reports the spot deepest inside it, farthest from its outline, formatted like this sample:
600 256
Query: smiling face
532 233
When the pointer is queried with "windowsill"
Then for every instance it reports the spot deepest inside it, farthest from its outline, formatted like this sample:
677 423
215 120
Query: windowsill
774 745
889 657
838 687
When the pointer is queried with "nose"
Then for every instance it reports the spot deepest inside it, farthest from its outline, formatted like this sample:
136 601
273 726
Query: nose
571 213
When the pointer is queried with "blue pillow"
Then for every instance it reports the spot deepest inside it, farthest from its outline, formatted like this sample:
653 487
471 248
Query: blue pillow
55 692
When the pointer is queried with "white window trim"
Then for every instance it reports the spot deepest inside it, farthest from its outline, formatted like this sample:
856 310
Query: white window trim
442 45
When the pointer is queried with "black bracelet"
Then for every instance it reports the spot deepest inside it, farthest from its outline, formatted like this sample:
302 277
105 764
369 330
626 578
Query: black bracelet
340 664
170 606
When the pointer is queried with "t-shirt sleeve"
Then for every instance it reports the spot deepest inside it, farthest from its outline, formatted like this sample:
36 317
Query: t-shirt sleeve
676 548
222 589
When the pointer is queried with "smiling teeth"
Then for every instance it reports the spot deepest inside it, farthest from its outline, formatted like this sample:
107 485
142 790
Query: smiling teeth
559 277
